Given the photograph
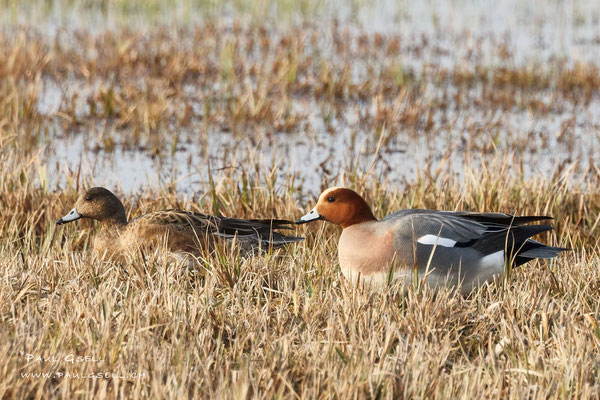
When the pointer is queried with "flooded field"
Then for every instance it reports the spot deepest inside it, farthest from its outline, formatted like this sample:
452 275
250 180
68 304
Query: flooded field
248 109
310 91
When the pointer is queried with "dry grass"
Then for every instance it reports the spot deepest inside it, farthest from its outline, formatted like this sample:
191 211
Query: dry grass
286 324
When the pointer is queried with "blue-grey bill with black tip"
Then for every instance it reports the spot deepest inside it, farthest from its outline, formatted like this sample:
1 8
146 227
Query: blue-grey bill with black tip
312 215
71 216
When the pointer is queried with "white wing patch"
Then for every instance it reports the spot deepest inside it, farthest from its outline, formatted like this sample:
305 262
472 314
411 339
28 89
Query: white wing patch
433 239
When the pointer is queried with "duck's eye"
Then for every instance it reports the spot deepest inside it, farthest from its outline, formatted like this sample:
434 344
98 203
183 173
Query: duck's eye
331 199
88 198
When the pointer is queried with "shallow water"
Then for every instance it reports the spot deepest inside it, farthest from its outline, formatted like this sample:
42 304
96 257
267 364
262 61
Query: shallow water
537 32
316 160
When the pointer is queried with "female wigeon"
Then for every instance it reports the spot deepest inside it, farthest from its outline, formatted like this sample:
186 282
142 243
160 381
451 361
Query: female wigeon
182 231
445 247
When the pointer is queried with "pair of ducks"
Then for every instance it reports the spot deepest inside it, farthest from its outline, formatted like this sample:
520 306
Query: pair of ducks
445 247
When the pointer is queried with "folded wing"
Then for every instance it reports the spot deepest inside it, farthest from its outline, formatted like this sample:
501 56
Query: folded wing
187 229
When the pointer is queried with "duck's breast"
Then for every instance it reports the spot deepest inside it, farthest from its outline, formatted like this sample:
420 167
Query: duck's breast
366 249
107 243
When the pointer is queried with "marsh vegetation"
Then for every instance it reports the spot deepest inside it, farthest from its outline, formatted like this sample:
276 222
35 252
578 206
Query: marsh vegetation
249 111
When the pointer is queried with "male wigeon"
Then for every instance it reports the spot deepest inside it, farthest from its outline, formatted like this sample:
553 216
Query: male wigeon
183 231
445 247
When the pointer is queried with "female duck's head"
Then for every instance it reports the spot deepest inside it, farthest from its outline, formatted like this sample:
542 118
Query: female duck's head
97 203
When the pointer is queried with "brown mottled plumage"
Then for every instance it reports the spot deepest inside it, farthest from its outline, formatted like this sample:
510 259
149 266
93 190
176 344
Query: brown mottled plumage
181 231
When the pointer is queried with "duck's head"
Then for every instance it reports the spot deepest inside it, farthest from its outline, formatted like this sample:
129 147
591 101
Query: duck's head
340 206
97 203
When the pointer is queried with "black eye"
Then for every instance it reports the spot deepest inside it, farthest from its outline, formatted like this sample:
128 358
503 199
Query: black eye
88 198
331 199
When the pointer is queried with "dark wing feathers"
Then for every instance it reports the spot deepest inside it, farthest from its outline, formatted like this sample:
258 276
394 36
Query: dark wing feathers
534 249
260 230
485 232
263 229
498 219
510 240
226 225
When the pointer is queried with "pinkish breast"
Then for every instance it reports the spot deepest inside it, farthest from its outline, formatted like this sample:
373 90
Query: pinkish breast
366 249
